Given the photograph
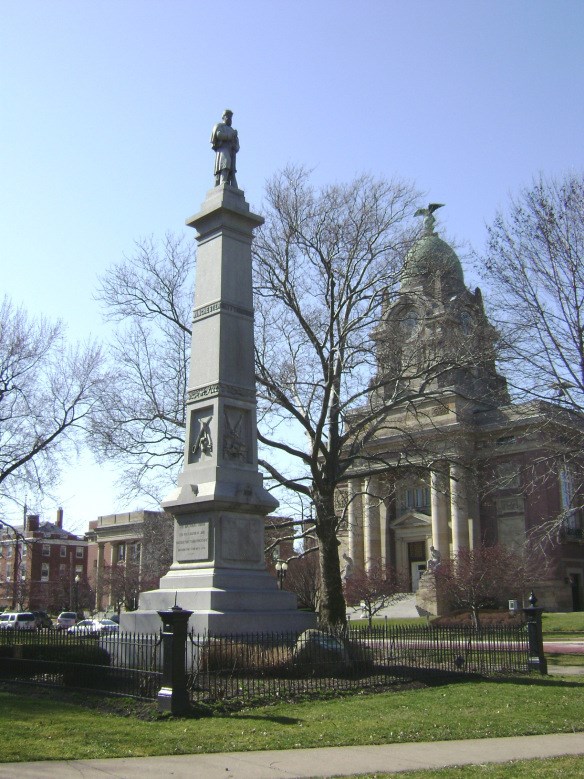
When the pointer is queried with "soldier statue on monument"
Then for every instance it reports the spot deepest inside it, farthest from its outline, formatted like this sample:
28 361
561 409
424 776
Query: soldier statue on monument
225 144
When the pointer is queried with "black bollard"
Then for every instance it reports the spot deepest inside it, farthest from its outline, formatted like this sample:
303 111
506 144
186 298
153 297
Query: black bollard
533 614
173 695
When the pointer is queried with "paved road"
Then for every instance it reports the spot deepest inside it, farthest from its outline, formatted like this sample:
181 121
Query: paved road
307 763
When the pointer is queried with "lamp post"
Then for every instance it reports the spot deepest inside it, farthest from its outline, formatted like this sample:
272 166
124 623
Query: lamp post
76 593
281 568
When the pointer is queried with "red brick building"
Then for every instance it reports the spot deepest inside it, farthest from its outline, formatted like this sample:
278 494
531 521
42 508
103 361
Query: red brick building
43 567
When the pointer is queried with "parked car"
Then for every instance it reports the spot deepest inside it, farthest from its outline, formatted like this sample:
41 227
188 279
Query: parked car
87 627
93 627
66 620
42 620
17 620
109 626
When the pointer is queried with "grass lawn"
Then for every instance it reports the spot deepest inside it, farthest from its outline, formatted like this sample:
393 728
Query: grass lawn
555 625
563 625
559 767
40 725
554 658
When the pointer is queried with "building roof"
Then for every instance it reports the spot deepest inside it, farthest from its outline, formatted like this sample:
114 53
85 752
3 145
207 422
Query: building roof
47 530
431 256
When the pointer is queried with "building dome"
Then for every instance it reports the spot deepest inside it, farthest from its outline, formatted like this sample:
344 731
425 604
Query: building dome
431 256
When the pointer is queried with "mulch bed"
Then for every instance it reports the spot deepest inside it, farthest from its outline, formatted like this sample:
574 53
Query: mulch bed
487 618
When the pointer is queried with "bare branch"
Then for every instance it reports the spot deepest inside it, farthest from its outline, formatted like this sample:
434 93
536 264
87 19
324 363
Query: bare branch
48 393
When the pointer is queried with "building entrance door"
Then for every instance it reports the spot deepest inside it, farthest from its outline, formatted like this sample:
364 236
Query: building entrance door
417 570
575 585
417 560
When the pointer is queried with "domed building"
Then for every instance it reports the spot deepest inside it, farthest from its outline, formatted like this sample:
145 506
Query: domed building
454 463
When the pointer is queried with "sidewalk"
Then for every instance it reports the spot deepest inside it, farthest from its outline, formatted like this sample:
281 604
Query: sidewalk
307 763
565 670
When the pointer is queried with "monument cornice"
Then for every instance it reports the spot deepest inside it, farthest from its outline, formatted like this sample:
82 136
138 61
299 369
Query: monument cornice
221 305
224 209
221 388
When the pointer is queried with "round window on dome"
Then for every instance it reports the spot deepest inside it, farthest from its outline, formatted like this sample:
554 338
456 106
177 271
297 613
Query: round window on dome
409 322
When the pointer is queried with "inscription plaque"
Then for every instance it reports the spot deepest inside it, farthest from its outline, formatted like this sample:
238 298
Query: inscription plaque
191 542
241 539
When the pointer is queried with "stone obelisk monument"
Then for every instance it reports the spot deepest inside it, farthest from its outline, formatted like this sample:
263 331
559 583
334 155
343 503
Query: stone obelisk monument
220 502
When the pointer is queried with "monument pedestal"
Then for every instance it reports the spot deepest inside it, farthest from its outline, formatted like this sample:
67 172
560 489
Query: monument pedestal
220 503
429 603
219 574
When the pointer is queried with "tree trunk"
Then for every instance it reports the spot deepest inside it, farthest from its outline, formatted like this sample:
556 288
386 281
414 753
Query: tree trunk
333 613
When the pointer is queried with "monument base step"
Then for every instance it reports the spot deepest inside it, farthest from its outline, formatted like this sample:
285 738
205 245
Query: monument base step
220 622
218 600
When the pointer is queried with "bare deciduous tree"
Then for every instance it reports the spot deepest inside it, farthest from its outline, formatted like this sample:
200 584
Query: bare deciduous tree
141 417
48 391
303 579
324 261
326 264
486 576
535 268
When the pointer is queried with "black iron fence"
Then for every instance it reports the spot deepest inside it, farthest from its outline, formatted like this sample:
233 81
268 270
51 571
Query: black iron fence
272 666
124 664
263 666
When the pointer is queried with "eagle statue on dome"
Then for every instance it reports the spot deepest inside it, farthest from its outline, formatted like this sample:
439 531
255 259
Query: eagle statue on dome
428 214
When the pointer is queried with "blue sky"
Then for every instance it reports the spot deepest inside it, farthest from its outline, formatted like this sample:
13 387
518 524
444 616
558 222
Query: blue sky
107 109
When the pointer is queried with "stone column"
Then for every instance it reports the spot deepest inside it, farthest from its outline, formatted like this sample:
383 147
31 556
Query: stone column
384 534
354 520
458 508
371 534
439 506
351 529
474 510
99 575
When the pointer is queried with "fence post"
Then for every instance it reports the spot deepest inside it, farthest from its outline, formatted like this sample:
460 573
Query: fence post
173 695
533 614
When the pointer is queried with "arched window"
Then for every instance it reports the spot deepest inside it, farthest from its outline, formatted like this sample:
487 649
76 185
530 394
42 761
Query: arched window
465 322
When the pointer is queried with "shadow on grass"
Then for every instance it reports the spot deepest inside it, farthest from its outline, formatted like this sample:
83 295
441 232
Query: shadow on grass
405 678
198 711
440 679
52 698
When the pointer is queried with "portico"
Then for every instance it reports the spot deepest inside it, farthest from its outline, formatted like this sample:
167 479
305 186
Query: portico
396 518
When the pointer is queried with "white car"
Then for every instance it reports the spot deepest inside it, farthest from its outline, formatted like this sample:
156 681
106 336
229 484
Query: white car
93 627
87 627
109 626
17 620
66 619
